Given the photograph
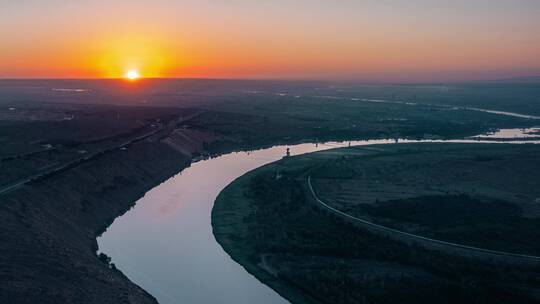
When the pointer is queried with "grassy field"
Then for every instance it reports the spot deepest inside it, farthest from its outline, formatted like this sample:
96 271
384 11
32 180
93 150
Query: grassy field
454 193
265 223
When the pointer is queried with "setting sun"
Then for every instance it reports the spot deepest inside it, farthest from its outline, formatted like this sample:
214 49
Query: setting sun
132 75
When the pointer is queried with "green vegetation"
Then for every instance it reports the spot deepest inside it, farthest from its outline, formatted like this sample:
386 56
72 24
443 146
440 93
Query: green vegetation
264 221
463 219
314 118
450 192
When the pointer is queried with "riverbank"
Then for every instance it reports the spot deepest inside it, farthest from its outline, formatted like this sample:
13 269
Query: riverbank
265 222
231 232
60 217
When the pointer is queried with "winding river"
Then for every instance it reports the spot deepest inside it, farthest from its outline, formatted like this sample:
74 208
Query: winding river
165 243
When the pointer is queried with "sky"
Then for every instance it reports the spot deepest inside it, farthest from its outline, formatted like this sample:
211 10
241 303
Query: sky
363 40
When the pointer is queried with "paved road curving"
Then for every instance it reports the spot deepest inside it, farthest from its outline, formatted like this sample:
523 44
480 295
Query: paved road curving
426 242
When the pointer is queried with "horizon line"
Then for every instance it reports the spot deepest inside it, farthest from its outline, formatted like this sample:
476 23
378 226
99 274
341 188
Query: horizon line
356 81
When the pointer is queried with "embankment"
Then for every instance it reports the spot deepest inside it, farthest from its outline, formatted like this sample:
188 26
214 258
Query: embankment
48 236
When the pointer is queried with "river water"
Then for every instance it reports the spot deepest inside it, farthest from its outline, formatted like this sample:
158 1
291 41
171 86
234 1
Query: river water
518 133
165 243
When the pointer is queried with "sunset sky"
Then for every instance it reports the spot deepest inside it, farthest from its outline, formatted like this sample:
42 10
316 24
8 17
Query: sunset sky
365 40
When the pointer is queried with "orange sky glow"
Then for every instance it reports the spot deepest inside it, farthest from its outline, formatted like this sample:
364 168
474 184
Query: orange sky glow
366 40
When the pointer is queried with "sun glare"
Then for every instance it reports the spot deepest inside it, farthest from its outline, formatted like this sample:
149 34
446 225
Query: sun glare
132 75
